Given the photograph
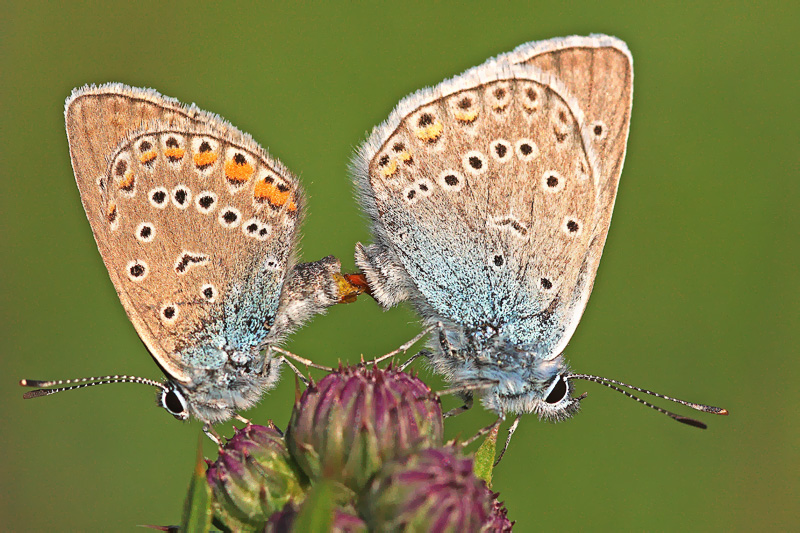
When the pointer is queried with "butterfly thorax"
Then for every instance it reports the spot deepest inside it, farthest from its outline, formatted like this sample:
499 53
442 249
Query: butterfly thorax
215 395
517 378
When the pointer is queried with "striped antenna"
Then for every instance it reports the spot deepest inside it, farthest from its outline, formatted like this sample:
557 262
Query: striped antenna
616 385
46 388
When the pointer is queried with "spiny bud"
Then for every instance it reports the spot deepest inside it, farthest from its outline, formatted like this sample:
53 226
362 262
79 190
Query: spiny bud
346 426
432 490
253 477
343 522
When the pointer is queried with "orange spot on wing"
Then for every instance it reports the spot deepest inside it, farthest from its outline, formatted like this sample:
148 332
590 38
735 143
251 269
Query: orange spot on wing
174 153
147 156
237 172
390 169
127 181
466 116
265 190
203 159
430 133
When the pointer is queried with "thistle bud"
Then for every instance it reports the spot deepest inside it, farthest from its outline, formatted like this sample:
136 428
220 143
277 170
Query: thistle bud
346 426
433 490
343 522
253 477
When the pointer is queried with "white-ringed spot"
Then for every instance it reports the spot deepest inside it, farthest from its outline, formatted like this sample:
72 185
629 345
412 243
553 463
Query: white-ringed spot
158 197
571 226
137 270
451 180
410 195
500 150
169 313
205 202
424 187
181 196
552 181
474 162
229 217
499 95
145 232
526 149
209 292
597 130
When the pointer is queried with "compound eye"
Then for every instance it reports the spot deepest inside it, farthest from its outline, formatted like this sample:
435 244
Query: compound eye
557 391
173 401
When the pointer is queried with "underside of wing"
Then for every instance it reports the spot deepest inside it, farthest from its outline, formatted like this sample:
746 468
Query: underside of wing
490 191
194 221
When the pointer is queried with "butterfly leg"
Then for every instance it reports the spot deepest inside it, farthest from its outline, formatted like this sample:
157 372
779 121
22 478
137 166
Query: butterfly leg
211 434
241 419
421 353
404 348
297 372
483 431
468 401
511 431
301 360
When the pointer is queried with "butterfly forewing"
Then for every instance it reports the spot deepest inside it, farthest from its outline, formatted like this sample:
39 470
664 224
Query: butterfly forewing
598 72
195 222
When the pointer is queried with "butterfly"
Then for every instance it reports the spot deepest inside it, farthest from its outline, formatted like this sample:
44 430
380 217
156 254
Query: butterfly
490 197
198 228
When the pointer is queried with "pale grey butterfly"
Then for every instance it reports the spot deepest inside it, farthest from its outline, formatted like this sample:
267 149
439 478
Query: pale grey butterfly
197 226
490 198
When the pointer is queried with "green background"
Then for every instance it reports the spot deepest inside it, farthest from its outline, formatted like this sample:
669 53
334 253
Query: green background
697 294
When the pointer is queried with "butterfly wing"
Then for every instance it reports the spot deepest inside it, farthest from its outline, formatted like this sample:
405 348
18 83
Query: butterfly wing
195 222
490 194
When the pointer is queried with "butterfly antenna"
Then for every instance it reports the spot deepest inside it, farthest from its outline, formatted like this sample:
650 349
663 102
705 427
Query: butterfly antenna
616 385
46 388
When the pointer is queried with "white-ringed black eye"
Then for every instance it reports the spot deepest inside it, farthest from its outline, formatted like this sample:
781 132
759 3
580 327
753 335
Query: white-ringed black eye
173 401
556 391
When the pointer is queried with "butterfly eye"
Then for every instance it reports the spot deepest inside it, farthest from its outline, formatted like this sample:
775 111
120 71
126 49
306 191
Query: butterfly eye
557 391
173 401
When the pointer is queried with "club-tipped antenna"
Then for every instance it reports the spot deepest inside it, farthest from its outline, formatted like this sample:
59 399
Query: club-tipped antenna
616 385
46 388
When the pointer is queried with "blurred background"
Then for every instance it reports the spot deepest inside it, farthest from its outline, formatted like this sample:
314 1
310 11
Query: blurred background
696 297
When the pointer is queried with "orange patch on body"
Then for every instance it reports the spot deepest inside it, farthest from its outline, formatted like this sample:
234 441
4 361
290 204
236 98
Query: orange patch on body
147 156
236 172
174 153
202 159
265 190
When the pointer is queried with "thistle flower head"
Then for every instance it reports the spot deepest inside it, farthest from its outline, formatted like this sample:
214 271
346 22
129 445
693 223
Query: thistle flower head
343 521
253 477
346 426
432 490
